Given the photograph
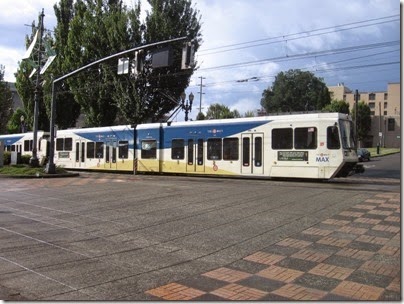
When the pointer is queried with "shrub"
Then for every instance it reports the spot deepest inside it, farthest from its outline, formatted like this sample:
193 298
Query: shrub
25 159
7 158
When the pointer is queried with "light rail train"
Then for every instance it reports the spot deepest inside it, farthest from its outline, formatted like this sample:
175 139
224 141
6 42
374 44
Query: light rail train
314 146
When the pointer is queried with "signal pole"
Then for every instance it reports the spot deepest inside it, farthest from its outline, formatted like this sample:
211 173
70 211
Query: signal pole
34 162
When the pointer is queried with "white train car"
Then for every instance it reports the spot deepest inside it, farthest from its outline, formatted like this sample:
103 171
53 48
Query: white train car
22 143
315 146
103 148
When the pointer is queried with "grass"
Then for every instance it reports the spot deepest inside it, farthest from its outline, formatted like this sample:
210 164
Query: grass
28 171
383 151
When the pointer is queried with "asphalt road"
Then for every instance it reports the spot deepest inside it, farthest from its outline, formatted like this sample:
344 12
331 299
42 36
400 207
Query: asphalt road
388 166
115 237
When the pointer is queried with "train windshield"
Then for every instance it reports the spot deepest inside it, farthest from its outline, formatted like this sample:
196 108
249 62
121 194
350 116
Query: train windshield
347 134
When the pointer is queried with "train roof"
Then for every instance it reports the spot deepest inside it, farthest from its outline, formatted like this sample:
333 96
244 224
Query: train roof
40 133
281 117
263 119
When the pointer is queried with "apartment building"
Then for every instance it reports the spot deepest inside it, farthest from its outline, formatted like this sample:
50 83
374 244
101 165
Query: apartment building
385 110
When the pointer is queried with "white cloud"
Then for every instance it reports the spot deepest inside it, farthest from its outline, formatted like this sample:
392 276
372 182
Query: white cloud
240 21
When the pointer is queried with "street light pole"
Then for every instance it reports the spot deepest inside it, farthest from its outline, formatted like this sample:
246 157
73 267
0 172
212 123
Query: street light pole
34 162
187 107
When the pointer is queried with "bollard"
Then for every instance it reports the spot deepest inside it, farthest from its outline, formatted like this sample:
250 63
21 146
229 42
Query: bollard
378 149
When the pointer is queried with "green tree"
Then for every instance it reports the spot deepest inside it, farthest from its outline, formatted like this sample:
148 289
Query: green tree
6 102
97 30
218 111
295 90
167 19
200 116
67 109
363 120
339 106
249 114
15 124
26 85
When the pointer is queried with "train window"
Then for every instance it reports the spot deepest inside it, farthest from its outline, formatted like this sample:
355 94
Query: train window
114 154
282 138
27 145
214 149
200 152
90 150
77 151
258 151
333 138
82 151
64 144
99 149
190 151
177 149
306 138
59 144
123 150
246 151
230 148
68 146
149 150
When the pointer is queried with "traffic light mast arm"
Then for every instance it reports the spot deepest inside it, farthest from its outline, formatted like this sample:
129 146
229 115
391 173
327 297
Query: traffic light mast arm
51 168
118 55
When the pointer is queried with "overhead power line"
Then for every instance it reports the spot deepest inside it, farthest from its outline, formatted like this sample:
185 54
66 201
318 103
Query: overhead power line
301 35
307 55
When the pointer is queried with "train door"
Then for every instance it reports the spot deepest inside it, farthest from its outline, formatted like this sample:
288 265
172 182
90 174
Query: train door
110 154
252 153
79 155
195 155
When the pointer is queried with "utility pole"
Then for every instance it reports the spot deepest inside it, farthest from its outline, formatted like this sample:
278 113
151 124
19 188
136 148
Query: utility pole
356 118
200 94
34 162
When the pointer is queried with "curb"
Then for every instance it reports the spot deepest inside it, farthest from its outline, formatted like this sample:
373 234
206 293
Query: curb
41 175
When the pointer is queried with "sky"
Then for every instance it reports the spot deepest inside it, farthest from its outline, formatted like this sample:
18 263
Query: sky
247 43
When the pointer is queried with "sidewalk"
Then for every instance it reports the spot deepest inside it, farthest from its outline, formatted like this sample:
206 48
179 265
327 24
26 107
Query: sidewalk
354 255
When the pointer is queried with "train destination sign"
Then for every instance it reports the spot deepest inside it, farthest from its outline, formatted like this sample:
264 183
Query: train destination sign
293 156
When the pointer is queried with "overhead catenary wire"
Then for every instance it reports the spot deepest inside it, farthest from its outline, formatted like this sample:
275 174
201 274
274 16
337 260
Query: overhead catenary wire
303 35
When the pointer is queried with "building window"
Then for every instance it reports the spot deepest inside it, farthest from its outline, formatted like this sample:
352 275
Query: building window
371 105
386 95
372 96
344 97
385 105
391 124
385 113
372 113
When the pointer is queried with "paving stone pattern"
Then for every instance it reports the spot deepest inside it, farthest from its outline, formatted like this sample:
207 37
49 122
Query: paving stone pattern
354 255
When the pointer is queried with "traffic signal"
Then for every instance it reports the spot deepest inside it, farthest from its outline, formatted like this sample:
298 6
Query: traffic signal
138 63
187 56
